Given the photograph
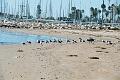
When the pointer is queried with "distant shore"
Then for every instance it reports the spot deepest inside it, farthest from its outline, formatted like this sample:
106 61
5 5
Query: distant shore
53 25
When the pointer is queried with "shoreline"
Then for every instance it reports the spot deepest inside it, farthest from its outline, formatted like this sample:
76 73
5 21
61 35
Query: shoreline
54 61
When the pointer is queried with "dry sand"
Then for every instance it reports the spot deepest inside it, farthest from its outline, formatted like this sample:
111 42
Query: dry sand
63 61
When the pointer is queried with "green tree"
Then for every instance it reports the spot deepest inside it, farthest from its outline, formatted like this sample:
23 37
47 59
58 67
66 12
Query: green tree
91 13
106 15
99 13
95 14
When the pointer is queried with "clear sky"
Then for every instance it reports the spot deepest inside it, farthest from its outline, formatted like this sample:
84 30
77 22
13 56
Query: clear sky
85 4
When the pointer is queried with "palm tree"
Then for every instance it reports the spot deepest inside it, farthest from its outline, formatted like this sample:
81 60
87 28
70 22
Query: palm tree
91 13
99 12
78 14
95 14
106 14
73 9
113 12
82 12
118 11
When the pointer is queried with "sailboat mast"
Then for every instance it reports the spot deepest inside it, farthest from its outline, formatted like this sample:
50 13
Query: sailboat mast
69 8
46 9
116 2
51 14
22 9
27 10
80 4
71 3
18 9
40 8
63 14
4 8
15 9
60 8
1 6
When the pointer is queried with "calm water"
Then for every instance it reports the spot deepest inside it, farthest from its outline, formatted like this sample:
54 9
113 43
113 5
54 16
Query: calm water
17 38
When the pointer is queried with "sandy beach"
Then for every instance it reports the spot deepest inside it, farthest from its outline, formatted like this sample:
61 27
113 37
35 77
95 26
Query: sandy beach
65 61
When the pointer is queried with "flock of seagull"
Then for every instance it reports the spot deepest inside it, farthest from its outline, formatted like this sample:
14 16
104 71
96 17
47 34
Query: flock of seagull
90 40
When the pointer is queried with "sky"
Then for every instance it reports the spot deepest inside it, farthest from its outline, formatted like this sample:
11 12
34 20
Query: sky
83 4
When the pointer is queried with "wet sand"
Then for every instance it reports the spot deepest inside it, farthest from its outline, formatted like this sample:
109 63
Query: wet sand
66 61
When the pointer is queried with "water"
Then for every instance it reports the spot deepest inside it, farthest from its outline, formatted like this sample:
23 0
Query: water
18 38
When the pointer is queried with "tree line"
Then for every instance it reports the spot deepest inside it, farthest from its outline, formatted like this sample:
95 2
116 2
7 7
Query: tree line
110 14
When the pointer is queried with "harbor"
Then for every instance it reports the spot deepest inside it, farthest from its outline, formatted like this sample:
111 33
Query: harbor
59 40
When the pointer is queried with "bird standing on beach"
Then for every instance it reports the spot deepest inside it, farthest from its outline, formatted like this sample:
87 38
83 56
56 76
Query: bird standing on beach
38 41
90 40
51 41
68 41
74 41
80 39
24 43
55 41
29 42
47 41
60 41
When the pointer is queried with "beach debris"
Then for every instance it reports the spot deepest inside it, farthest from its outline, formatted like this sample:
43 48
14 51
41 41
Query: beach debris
99 51
56 78
118 41
43 78
93 57
106 52
100 47
20 50
72 55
